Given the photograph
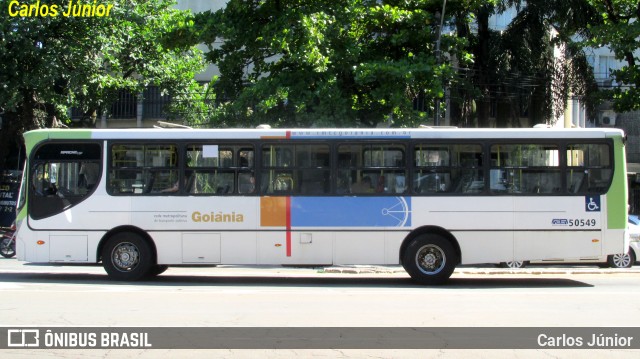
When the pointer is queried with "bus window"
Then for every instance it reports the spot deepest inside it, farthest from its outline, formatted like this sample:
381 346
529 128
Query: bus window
210 182
312 163
589 168
277 156
371 168
525 169
62 175
302 169
277 174
214 169
144 169
246 175
245 158
246 183
447 168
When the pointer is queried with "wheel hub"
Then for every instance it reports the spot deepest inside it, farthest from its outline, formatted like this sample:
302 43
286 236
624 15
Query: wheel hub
125 257
430 259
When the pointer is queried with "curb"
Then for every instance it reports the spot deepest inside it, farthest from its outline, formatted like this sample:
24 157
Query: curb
363 269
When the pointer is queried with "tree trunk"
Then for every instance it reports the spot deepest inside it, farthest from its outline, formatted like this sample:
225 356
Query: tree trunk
481 55
10 137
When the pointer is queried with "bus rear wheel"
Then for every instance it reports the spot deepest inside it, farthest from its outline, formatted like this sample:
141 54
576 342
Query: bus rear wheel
430 259
127 256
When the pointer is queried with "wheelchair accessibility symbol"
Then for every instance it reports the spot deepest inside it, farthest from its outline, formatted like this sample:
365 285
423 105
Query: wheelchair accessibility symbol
592 204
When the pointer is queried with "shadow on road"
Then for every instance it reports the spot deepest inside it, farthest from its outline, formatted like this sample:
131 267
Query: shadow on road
483 282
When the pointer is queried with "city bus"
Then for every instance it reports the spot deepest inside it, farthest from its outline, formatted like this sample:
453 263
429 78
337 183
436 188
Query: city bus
429 199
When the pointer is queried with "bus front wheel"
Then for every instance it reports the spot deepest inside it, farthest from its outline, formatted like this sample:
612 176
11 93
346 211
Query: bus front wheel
430 259
127 256
156 270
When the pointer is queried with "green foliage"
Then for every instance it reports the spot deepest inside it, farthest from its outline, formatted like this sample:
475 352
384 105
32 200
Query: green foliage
52 63
55 63
531 67
363 62
193 105
326 63
617 26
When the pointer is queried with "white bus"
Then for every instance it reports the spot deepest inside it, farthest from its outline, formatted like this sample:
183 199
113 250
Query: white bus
429 199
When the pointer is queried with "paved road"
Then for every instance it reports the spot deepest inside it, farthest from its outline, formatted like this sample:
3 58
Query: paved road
230 296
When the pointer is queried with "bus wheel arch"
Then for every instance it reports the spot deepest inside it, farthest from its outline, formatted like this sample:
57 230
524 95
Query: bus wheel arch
128 253
430 254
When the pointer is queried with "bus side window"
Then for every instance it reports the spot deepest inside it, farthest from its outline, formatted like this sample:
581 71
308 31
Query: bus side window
447 168
312 164
276 176
220 169
277 182
246 183
190 183
212 182
525 168
589 168
144 169
377 168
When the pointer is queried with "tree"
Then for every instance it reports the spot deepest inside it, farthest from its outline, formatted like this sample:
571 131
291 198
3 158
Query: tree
517 70
617 26
52 63
359 62
327 63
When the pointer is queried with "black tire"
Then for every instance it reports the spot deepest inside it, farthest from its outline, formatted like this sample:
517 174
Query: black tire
156 270
127 256
621 260
7 247
430 259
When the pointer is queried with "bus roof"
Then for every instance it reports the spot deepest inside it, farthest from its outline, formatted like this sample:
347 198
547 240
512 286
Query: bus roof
322 133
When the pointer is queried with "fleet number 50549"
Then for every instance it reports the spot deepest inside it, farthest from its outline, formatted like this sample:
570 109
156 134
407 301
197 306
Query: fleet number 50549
582 222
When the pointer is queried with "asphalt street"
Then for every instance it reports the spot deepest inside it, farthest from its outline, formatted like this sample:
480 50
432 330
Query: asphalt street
12 265
341 296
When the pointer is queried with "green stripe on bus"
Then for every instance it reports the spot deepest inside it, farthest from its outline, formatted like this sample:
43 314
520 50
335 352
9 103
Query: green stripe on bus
617 195
79 134
32 138
22 214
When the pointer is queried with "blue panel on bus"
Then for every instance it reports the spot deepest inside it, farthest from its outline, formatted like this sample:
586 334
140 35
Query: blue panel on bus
350 212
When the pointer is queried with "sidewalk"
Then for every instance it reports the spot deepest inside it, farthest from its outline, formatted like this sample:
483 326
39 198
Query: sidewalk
14 266
488 269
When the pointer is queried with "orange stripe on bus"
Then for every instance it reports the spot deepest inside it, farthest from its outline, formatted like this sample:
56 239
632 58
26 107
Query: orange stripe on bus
273 211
